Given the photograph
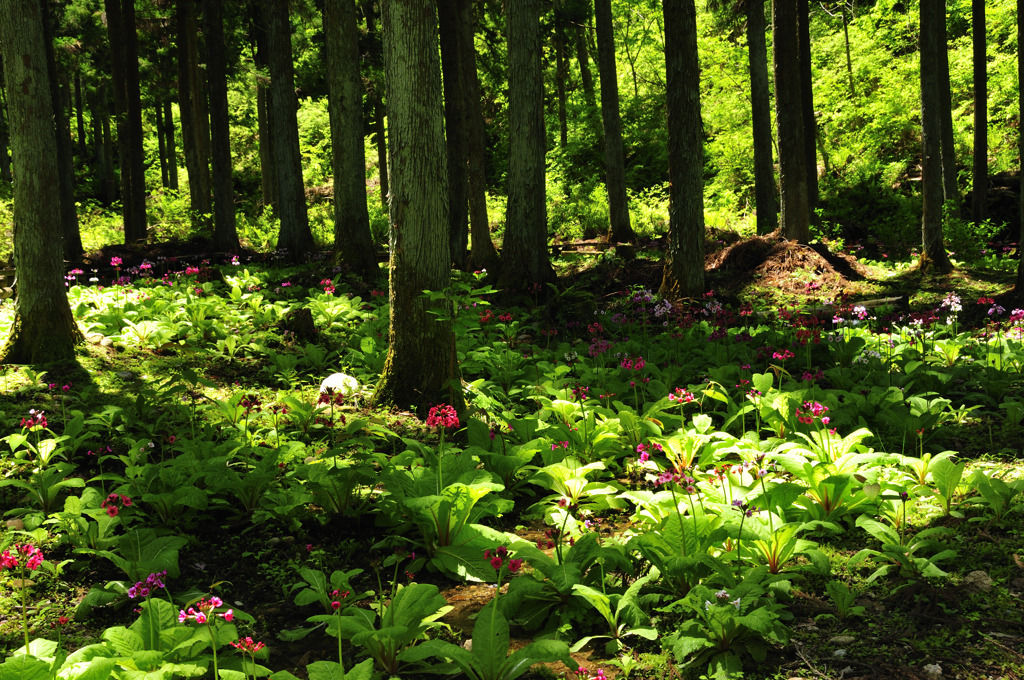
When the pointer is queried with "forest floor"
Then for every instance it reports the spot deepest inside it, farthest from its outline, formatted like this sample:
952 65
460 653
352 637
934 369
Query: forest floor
906 631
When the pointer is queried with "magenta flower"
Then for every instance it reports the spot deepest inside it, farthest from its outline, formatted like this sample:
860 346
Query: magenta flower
115 262
442 415
204 612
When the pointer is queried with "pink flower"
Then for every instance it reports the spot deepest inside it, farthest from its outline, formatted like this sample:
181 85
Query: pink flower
115 262
248 645
514 565
442 415
496 562
229 615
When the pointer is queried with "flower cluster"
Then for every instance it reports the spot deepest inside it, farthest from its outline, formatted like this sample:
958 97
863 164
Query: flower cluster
498 557
32 555
115 262
683 396
686 482
144 588
487 316
442 415
632 364
337 596
35 419
251 402
552 536
328 286
598 346
204 611
114 502
745 508
563 444
248 645
583 674
810 412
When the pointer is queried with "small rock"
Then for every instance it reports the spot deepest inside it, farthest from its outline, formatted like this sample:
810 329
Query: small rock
468 645
106 342
978 581
125 375
274 540
15 524
933 671
839 654
842 640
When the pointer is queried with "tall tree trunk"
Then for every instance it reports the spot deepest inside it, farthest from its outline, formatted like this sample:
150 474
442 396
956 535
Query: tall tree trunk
583 57
950 188
104 145
482 254
619 230
980 187
421 368
83 145
161 143
167 120
846 41
765 201
933 41
684 265
376 99
5 140
225 231
455 131
72 238
807 105
561 74
294 235
195 127
524 255
1020 146
353 243
44 329
268 174
789 120
124 49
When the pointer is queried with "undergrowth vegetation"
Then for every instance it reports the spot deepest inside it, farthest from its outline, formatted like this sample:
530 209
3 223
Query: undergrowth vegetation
648 485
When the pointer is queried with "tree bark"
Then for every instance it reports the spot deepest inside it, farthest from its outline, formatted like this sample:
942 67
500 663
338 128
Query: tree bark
195 128
482 254
807 105
376 99
683 274
72 238
294 235
980 187
524 255
950 188
619 230
1020 146
225 231
80 114
765 201
268 174
453 80
124 50
161 143
167 120
583 57
421 367
561 74
796 212
44 329
933 41
353 243
5 142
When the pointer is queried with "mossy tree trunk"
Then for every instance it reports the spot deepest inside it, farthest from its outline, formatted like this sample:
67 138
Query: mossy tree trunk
979 203
1020 145
353 243
455 114
44 329
684 265
421 368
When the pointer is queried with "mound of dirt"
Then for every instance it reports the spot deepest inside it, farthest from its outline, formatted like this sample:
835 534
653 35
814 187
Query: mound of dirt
784 265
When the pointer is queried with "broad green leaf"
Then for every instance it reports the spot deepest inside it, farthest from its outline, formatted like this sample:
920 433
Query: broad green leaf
23 667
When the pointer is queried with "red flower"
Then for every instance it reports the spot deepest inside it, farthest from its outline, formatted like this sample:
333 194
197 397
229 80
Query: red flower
442 415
